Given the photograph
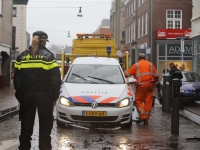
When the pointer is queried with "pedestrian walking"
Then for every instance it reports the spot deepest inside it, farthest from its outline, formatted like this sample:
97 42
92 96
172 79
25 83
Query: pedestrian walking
176 73
146 75
37 83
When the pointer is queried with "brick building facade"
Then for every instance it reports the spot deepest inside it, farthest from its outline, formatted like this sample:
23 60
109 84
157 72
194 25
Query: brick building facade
145 17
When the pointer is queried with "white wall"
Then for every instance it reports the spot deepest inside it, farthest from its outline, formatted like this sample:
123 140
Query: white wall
20 23
195 21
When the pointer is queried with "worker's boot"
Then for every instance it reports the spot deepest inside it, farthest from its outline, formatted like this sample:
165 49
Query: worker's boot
140 120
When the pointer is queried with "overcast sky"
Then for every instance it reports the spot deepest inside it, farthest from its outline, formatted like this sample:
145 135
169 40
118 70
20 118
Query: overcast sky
57 17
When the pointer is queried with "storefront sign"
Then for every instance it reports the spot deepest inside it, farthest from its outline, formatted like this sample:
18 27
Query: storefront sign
175 50
143 51
172 33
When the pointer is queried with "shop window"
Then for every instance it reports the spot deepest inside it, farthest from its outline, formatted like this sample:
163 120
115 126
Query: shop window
138 27
174 19
1 7
161 49
146 23
142 28
14 11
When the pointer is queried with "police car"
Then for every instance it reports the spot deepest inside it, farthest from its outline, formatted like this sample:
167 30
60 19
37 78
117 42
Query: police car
95 94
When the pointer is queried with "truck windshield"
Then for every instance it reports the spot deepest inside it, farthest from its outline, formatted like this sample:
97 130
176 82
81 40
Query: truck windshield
109 74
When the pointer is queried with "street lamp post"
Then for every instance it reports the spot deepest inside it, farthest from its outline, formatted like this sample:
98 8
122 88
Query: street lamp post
183 38
182 50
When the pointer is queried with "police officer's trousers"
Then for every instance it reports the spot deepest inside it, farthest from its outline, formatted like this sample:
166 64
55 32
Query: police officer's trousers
30 102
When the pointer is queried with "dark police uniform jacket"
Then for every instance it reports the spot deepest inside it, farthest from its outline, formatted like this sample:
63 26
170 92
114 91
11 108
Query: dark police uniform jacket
37 74
176 73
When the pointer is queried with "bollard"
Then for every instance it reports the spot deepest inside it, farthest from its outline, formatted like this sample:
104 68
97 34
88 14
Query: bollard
166 93
175 106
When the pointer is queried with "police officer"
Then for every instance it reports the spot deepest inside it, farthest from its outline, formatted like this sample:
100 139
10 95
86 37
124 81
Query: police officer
37 83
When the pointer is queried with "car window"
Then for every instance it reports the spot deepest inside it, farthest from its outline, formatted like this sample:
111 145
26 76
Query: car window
192 77
106 72
184 79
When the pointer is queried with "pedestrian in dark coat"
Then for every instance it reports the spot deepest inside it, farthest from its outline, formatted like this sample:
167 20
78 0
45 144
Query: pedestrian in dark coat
176 73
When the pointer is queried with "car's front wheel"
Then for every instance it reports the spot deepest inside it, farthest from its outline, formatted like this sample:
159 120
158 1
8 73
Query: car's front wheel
129 124
60 124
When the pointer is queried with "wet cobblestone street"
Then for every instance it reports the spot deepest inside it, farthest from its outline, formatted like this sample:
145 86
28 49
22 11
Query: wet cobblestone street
155 135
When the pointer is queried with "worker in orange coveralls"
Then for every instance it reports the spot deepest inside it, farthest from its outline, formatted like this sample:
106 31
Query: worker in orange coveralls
146 75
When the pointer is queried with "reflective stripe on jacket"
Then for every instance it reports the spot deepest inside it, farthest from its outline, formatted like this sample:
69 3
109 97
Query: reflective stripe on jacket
37 73
144 72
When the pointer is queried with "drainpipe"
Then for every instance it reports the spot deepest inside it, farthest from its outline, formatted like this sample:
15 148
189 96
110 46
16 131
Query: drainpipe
151 29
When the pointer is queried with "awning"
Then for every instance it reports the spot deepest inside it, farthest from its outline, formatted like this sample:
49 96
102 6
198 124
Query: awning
5 49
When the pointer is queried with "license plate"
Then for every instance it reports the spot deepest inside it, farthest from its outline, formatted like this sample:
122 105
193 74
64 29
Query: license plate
94 113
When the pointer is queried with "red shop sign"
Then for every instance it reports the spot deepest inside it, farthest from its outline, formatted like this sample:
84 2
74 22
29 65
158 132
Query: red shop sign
172 33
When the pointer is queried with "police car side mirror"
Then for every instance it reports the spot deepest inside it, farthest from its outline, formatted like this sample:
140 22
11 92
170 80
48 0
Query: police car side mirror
131 80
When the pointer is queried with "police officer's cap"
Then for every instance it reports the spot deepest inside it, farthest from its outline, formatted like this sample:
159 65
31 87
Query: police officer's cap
41 34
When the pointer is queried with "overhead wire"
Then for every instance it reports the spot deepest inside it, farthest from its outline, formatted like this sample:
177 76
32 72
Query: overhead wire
50 7
69 7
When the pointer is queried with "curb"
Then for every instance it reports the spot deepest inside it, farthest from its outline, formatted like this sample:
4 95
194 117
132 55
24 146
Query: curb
8 113
190 116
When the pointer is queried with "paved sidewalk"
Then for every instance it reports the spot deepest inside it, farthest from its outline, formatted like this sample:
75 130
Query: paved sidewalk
8 102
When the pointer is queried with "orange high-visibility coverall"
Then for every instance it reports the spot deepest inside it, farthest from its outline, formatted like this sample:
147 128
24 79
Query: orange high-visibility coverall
146 75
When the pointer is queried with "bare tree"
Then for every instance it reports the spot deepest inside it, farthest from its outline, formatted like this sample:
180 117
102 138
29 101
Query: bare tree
56 48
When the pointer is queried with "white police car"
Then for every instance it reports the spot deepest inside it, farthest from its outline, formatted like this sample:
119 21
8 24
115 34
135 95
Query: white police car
95 92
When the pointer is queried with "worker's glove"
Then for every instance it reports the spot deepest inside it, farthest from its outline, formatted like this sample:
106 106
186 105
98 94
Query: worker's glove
158 87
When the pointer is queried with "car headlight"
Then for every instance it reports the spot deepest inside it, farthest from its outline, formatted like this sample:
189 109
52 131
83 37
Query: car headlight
123 103
181 91
64 101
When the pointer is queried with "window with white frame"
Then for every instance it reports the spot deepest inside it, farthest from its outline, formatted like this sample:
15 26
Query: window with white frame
14 11
146 23
134 30
127 12
174 19
142 18
134 7
131 31
138 27
138 3
126 34
131 7
1 7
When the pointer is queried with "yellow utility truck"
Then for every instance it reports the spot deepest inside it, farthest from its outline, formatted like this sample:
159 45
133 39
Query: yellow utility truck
88 45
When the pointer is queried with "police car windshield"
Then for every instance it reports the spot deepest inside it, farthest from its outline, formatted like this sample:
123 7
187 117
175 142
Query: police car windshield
101 74
82 78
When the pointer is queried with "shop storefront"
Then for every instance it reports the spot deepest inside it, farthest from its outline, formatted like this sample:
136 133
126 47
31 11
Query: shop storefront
170 51
196 54
174 45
